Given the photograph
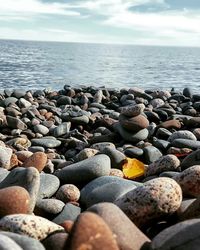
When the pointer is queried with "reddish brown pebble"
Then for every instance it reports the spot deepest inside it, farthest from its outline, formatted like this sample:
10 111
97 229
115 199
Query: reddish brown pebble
14 200
23 155
37 160
67 193
67 224
170 124
13 161
90 232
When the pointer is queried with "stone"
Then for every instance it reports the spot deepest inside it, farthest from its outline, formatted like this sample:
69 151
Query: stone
189 181
117 158
5 157
69 212
196 132
133 152
91 232
30 225
151 154
14 122
3 173
86 170
8 244
9 100
116 172
23 103
56 241
187 92
64 100
105 189
165 163
100 146
132 110
62 129
160 144
46 207
128 236
194 122
154 200
183 236
25 242
68 193
157 102
41 129
186 143
191 160
133 124
47 142
192 211
19 143
86 153
49 184
182 134
27 178
37 160
14 200
176 124
132 137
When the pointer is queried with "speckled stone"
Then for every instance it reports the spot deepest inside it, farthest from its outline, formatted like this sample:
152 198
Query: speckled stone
25 242
164 163
157 102
8 244
100 146
181 236
128 236
37 160
14 200
189 180
157 198
116 172
27 178
67 193
182 134
86 153
45 207
91 232
133 110
5 157
33 226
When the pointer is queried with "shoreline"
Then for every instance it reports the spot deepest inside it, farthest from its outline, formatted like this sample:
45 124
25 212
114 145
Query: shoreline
64 153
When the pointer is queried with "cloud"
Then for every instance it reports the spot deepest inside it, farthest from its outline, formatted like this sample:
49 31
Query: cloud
10 8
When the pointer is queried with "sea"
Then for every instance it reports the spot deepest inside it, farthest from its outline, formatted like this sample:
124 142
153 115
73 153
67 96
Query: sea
39 65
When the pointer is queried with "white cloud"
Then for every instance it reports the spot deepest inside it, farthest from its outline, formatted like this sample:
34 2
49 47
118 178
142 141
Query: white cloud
26 8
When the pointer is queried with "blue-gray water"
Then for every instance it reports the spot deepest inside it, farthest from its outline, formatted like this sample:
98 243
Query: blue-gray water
34 65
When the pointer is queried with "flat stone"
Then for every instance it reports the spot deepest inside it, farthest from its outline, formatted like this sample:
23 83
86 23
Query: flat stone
176 124
8 244
128 236
27 178
132 137
49 184
33 226
184 235
191 160
156 198
117 158
69 212
105 189
14 200
91 232
41 129
62 129
46 142
133 152
86 170
14 122
186 143
45 207
9 100
164 163
25 242
132 110
86 153
37 160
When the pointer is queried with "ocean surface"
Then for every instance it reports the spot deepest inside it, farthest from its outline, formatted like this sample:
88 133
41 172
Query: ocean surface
38 65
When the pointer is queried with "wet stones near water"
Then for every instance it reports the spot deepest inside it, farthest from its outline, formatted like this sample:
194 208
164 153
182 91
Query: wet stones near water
160 197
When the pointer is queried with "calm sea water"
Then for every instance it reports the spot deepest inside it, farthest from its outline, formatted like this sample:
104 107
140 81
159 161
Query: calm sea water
33 65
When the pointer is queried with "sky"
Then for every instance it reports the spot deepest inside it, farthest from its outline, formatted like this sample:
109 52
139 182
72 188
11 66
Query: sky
142 22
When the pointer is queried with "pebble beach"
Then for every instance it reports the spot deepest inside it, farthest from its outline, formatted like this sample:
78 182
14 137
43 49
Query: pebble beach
66 158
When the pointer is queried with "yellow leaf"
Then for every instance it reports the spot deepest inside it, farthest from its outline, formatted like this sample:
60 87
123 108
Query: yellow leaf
133 168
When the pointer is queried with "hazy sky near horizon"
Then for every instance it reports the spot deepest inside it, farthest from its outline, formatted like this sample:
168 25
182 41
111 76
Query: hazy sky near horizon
145 22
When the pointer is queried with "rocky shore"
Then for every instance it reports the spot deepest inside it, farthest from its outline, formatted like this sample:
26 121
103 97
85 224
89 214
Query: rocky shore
62 179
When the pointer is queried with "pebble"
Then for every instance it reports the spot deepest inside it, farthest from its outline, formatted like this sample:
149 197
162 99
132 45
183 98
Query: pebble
15 123
151 154
157 198
62 129
86 153
189 181
132 110
91 232
37 160
68 193
56 241
48 207
49 184
46 142
86 170
182 134
14 200
8 244
128 236
186 143
41 129
5 157
165 163
117 158
133 124
30 225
